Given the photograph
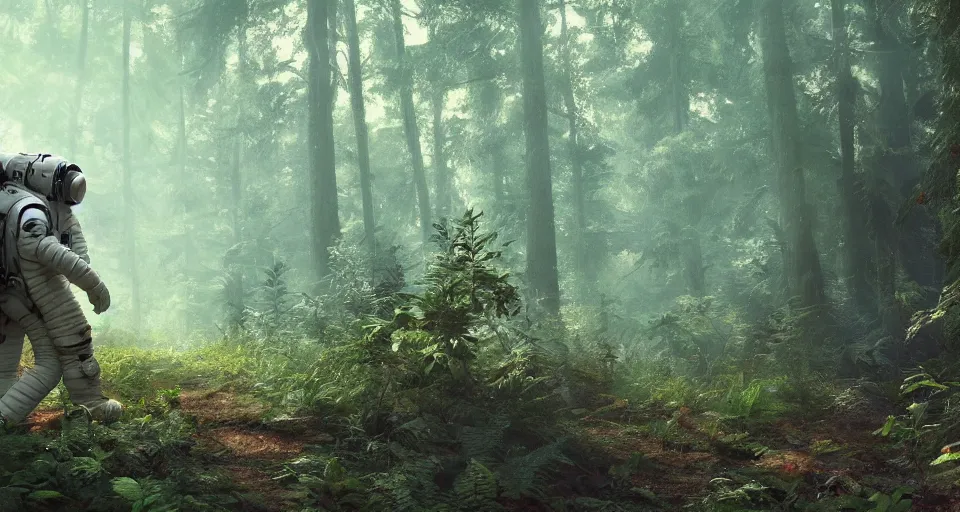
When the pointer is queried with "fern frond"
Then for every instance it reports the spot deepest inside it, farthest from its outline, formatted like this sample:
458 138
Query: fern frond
476 488
524 476
481 443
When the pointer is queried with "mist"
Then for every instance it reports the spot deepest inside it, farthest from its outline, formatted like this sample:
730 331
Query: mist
723 228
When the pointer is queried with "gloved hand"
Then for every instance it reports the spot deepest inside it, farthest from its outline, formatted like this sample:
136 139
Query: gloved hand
99 296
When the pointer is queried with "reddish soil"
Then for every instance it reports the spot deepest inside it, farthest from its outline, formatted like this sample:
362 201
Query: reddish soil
221 407
677 473
260 490
249 445
231 435
44 419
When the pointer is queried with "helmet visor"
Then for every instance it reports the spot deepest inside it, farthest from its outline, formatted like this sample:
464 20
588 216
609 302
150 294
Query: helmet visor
74 187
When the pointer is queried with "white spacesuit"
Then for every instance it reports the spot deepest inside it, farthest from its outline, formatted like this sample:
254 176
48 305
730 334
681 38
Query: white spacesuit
37 269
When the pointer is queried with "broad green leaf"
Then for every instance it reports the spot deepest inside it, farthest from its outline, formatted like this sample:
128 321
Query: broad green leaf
128 488
902 506
899 492
946 457
924 383
882 501
887 427
44 495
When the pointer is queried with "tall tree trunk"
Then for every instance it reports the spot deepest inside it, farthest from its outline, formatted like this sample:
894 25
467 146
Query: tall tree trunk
897 162
679 99
182 121
236 176
360 125
410 128
487 109
889 166
885 254
192 265
855 245
893 111
802 262
541 231
52 19
333 25
690 246
323 171
128 217
81 77
441 173
236 187
498 160
573 150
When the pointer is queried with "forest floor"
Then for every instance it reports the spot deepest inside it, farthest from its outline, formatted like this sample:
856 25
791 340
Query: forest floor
233 437
824 456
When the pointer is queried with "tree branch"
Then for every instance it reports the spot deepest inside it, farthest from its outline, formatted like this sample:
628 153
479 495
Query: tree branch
457 85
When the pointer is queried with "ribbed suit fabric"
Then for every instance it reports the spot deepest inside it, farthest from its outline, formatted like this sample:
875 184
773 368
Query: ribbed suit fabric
62 339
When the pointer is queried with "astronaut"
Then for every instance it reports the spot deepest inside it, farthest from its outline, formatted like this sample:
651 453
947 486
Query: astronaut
37 269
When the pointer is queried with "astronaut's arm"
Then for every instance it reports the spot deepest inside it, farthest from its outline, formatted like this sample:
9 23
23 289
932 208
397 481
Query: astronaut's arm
37 244
78 243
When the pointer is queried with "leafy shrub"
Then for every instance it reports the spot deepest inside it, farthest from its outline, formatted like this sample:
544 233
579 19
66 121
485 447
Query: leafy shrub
437 327
931 421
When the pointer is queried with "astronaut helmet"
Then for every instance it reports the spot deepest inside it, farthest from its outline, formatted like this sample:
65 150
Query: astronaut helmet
52 177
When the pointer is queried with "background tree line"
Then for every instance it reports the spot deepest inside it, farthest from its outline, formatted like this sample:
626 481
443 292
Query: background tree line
767 154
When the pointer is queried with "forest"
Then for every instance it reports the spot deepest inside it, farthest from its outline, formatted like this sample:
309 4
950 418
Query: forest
480 255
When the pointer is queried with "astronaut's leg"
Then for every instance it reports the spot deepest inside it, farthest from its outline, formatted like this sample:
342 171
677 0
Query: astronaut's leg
37 382
81 377
11 351
73 340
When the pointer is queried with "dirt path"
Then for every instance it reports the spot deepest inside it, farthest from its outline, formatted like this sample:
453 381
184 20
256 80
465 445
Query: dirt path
813 451
232 437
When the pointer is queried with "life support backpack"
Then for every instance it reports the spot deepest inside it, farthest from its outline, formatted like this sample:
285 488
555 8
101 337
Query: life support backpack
14 202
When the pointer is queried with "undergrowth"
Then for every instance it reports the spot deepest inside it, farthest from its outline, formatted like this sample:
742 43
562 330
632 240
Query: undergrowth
444 395
140 464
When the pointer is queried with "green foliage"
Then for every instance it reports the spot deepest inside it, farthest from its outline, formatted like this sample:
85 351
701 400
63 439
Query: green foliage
460 290
524 475
929 423
136 372
358 286
439 399
937 17
747 399
452 407
945 311
476 488
696 331
739 491
274 300
146 495
234 298
750 496
895 502
90 465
